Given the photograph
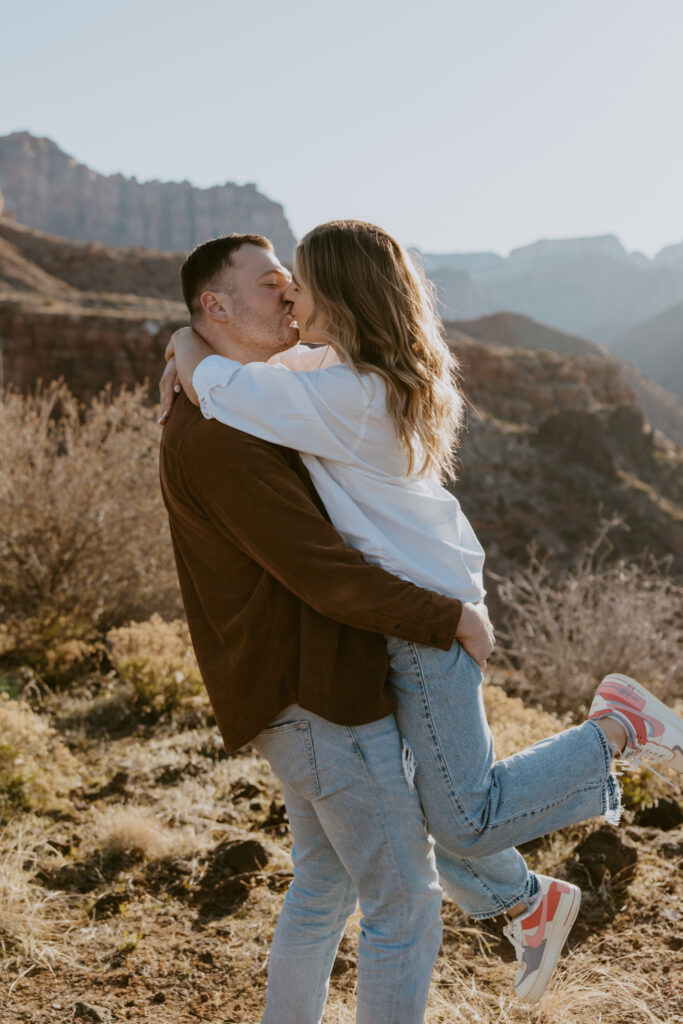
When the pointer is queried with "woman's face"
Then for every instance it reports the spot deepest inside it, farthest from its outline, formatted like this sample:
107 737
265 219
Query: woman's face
301 299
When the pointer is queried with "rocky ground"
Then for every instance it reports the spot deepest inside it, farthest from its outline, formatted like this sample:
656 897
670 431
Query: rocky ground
149 890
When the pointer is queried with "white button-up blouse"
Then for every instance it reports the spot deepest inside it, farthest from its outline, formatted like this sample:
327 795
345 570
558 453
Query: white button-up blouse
338 420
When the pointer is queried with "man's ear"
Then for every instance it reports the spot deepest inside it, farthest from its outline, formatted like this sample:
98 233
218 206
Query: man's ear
214 308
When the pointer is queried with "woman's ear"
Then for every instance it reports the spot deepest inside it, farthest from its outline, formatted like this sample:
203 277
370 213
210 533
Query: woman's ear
214 307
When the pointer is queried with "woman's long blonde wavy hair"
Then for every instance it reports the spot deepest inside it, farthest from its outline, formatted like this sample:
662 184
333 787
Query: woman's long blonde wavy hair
380 313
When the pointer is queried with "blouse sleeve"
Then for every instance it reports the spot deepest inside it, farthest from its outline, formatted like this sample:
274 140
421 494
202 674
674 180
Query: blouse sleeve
323 412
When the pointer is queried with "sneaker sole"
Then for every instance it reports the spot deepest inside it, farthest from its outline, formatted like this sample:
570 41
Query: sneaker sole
659 710
562 926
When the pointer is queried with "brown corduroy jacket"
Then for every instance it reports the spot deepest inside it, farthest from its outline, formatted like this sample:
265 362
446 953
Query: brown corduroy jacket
280 610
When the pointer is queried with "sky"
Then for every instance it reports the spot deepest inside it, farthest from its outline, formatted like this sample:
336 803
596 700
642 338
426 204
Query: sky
458 125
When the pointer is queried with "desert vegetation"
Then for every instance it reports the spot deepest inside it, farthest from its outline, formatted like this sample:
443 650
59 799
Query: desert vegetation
563 633
141 870
83 545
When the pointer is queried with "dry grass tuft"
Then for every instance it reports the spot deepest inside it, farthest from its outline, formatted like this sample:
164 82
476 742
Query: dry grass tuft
565 635
139 832
36 769
33 921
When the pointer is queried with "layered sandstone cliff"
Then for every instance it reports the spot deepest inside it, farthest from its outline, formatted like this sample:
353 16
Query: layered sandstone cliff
88 347
47 189
92 314
33 262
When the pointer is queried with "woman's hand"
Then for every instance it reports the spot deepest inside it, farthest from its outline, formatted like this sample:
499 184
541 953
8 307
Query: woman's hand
475 632
169 386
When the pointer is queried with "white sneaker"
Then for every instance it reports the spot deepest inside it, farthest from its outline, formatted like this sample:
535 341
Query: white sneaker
658 730
539 935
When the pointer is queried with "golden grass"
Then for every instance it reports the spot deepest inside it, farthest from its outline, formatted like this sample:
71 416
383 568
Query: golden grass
33 921
583 991
586 989
139 831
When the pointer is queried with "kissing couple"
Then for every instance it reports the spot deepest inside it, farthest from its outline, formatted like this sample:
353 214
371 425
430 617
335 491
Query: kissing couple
334 592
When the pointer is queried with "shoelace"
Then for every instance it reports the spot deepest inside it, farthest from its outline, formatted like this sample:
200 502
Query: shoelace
512 931
632 760
515 932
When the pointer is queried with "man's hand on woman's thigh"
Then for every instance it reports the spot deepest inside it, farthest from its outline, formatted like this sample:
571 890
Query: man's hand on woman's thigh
475 632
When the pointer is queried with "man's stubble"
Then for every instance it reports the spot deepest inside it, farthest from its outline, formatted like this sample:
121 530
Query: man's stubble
269 333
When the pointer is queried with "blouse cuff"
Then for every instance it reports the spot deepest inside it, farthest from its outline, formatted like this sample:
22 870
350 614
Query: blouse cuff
214 371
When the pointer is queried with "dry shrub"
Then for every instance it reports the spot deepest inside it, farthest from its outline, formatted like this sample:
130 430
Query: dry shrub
155 658
83 538
563 636
65 658
36 769
139 832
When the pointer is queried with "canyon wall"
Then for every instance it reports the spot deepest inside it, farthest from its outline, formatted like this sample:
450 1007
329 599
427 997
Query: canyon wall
45 188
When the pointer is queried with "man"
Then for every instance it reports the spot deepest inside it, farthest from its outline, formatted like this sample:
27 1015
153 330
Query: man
288 627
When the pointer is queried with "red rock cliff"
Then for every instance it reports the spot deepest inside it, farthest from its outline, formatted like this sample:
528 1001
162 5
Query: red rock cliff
47 189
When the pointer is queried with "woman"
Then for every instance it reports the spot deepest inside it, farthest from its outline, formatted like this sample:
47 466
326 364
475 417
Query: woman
375 415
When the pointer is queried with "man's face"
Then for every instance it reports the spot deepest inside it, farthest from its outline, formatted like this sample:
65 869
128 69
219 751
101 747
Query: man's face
252 292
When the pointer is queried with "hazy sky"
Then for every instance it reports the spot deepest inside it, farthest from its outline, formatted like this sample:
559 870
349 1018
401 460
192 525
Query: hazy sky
457 124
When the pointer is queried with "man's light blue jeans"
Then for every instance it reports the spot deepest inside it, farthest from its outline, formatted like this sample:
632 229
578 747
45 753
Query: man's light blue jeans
478 809
359 834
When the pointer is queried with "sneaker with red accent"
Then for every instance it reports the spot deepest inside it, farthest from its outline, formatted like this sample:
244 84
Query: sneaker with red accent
539 935
658 730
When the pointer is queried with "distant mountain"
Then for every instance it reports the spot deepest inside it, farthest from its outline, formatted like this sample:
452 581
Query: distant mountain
43 187
515 331
591 287
662 409
656 347
671 256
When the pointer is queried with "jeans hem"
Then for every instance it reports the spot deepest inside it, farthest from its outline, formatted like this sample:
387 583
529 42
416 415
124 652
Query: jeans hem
527 895
611 794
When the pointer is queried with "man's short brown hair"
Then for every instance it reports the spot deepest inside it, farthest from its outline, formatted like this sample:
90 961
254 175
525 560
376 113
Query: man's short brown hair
208 260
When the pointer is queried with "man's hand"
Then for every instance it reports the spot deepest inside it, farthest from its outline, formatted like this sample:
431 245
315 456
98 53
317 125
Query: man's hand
475 632
169 386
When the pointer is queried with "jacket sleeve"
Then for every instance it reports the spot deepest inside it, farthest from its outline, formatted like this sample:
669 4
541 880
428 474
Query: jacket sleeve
252 494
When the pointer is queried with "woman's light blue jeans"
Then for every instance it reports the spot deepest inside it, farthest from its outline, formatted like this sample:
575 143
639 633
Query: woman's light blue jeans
478 809
359 834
